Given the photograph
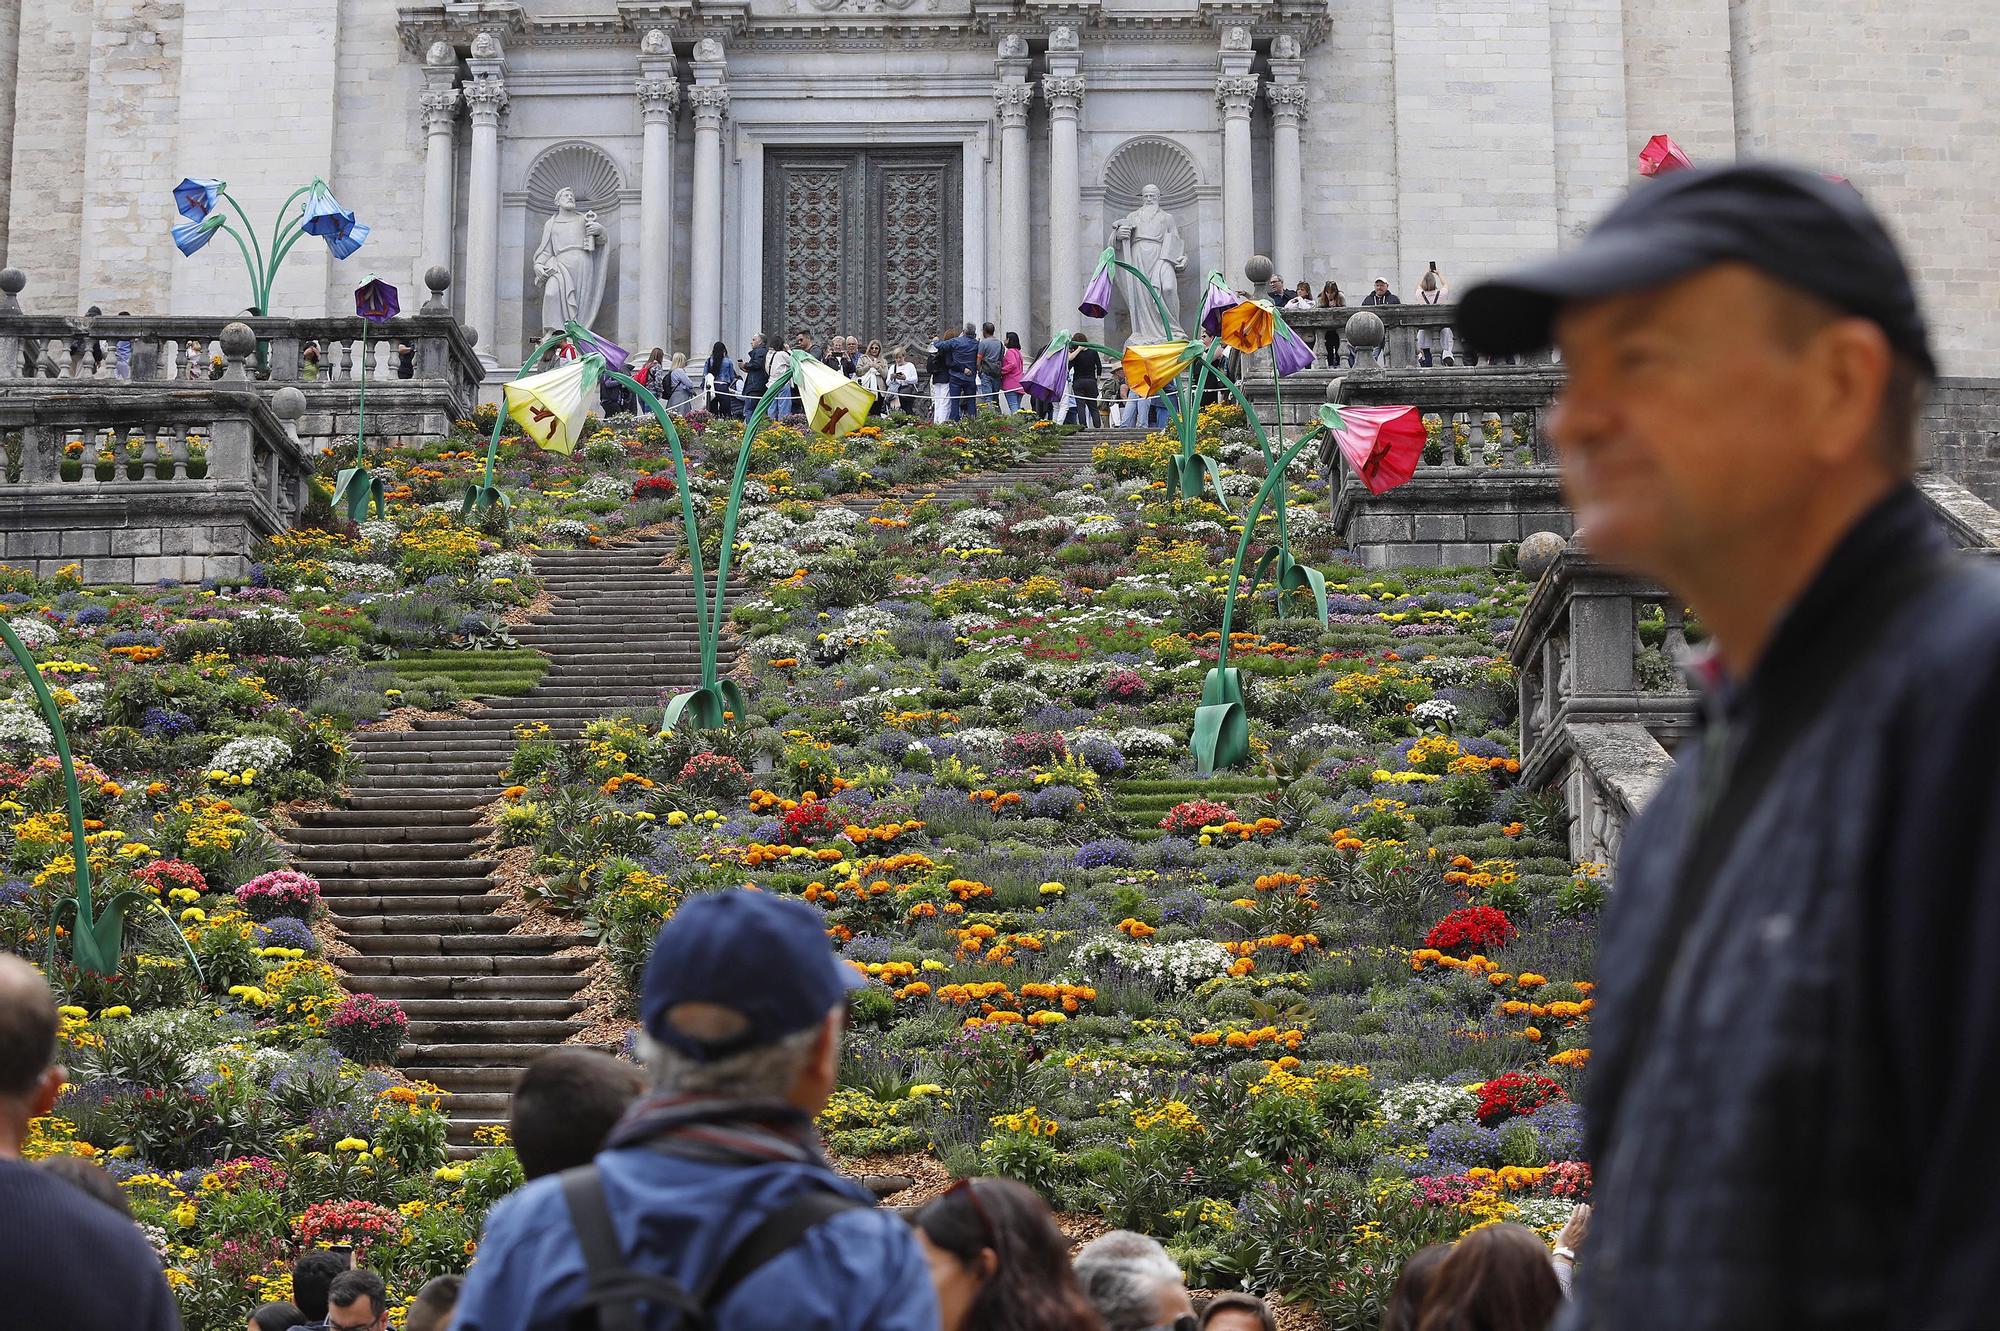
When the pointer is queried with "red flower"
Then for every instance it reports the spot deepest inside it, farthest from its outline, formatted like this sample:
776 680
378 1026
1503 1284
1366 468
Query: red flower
1472 929
1189 816
810 819
1516 1093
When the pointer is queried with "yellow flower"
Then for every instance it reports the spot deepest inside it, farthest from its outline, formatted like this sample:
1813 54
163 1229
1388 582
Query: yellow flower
1053 889
350 1144
111 1013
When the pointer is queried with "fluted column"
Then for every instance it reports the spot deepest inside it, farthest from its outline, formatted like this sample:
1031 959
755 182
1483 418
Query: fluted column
711 104
1234 94
1065 98
1010 105
486 95
659 99
1288 112
440 107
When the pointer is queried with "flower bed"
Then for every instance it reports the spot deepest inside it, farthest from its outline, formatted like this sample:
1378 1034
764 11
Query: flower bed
1229 1011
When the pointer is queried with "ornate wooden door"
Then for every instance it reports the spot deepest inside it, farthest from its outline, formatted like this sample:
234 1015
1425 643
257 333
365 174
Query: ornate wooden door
862 242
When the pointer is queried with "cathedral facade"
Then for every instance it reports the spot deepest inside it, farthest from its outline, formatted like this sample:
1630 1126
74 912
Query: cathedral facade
677 172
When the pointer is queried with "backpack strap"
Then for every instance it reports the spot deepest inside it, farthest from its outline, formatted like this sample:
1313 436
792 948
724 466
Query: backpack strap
615 1290
780 1232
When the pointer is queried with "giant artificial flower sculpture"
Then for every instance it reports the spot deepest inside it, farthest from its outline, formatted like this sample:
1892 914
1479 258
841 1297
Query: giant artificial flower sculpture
1216 297
1382 444
1096 302
200 200
1289 352
189 237
833 404
1045 380
1153 366
195 198
1662 155
356 487
321 215
1247 326
550 407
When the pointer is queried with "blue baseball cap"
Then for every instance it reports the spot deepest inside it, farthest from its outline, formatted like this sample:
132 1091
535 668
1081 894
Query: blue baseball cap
764 956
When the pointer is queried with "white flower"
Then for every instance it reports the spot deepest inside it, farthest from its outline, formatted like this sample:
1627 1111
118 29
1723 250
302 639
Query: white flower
22 727
1423 1105
266 753
1178 966
33 633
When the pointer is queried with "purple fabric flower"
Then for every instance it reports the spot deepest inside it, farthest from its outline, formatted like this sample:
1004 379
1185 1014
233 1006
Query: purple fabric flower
1096 300
1045 378
1217 298
1290 351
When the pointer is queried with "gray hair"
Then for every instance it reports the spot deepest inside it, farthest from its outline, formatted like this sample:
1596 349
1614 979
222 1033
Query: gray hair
1121 1273
763 1073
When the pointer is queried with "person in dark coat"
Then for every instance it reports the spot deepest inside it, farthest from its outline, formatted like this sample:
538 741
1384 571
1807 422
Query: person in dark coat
1794 1071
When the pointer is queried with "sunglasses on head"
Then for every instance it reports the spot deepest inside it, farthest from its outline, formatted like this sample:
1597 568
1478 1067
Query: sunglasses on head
986 1228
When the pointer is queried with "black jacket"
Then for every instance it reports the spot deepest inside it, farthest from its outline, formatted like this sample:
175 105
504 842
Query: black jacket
1800 1132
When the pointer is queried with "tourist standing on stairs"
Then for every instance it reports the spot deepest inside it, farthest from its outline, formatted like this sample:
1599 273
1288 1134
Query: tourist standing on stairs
938 367
756 373
1085 365
1793 1075
716 1183
1010 374
718 380
989 352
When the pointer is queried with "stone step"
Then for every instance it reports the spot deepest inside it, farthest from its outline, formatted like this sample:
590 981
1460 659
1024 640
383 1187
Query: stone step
477 1105
497 965
406 987
434 1033
486 1054
402 851
417 926
441 816
460 1131
389 801
456 1079
440 883
350 906
453 945
399 869
429 834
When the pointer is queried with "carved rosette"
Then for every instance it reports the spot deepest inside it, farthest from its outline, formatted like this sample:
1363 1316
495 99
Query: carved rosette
1288 102
658 99
1010 104
486 96
1064 94
440 110
711 103
1235 93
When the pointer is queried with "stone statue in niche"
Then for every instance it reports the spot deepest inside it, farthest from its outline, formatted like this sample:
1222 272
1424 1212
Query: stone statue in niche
567 265
441 54
1149 239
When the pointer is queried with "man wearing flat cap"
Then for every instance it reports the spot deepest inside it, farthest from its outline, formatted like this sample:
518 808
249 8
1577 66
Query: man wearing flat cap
1797 1045
711 1204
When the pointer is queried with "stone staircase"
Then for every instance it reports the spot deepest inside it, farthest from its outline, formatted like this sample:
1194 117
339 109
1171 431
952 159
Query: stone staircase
1053 469
397 863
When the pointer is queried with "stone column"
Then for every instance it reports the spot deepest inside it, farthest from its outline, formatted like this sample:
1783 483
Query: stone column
711 104
10 50
1288 112
1010 106
1234 94
440 107
1065 98
486 95
659 99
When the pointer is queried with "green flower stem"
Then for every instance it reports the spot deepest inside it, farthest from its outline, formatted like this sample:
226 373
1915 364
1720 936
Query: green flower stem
711 639
688 524
257 270
1272 482
1159 302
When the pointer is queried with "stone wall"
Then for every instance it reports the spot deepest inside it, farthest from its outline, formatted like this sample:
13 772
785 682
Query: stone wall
1677 77
1961 434
378 174
45 210
1587 59
1435 518
10 55
125 259
1350 214
1902 100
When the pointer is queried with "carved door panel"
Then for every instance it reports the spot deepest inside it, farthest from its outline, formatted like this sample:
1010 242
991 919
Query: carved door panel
862 242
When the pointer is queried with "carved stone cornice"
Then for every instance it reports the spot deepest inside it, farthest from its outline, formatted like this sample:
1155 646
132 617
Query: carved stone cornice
440 110
1010 103
486 97
658 98
1064 94
1289 101
710 102
1235 93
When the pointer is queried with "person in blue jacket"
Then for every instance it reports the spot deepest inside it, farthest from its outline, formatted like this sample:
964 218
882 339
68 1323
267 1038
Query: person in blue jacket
742 1004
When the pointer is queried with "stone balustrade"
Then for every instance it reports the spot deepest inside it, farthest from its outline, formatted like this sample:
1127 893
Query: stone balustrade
36 355
1600 710
197 473
1409 331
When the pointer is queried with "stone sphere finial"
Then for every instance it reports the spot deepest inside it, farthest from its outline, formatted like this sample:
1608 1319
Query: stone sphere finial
438 278
12 282
1538 552
237 340
1365 331
1259 269
470 334
288 403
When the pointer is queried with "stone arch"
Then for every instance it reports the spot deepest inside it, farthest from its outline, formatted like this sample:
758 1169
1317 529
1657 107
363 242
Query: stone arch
1150 159
583 167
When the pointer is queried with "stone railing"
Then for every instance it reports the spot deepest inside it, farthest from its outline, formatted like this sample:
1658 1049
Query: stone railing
1970 522
35 350
197 474
1411 334
1601 713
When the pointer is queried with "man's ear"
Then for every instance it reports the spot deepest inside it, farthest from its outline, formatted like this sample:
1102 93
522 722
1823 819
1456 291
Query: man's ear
43 1098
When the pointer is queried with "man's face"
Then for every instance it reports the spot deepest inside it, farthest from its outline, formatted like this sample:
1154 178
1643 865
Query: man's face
1380 286
355 1316
1678 428
1234 1319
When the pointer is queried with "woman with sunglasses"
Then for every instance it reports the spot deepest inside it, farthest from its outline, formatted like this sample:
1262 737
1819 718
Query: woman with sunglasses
998 1261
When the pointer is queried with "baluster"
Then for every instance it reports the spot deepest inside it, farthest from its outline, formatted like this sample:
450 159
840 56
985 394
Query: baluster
1675 642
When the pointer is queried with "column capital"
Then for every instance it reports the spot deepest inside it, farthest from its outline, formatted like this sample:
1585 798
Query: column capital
1010 103
1064 93
658 99
1289 101
710 102
1234 93
486 96
440 109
